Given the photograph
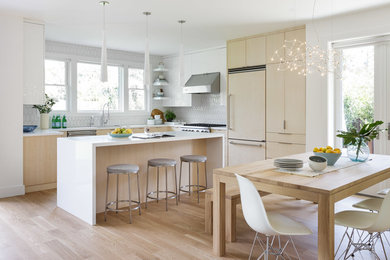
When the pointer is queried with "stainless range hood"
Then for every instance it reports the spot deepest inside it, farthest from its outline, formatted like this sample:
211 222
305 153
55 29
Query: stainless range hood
208 83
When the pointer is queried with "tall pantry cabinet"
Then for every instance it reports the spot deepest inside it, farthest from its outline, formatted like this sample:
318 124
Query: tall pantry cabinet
285 94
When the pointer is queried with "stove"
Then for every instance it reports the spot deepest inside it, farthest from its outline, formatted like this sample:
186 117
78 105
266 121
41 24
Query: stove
200 127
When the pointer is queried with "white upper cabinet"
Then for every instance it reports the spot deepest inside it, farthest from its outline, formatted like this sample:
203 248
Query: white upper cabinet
33 63
274 42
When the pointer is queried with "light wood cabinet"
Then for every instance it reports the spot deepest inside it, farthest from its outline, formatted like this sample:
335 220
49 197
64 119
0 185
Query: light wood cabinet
274 42
299 35
286 101
40 162
275 99
103 131
241 152
255 51
33 63
236 54
246 52
279 149
295 103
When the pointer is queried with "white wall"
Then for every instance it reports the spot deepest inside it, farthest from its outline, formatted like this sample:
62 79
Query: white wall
203 108
11 106
319 127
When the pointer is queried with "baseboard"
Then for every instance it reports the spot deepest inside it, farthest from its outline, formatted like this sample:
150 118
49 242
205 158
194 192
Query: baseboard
11 191
46 186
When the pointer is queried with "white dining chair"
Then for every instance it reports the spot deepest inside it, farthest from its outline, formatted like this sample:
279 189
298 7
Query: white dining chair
271 224
366 227
372 204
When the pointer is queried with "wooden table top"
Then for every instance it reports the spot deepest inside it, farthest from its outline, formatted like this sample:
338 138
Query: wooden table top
331 182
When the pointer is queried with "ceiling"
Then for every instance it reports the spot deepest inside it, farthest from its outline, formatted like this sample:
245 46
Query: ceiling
209 22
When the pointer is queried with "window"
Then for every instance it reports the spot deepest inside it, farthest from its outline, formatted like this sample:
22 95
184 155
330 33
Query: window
92 94
56 82
136 89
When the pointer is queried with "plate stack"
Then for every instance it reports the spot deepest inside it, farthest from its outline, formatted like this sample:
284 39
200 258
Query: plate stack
291 164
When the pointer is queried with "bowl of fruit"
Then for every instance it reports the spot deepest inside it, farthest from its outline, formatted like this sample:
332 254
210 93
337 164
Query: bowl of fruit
121 133
331 155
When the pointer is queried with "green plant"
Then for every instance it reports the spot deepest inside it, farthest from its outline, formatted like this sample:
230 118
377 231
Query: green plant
47 107
367 133
170 115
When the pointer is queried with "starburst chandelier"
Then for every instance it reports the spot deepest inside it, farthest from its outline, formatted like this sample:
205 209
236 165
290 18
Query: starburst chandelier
295 55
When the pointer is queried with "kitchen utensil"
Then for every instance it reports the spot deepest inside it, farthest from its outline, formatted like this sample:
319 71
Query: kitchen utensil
317 163
330 157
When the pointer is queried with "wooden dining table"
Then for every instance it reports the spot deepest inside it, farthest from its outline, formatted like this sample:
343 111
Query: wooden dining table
325 189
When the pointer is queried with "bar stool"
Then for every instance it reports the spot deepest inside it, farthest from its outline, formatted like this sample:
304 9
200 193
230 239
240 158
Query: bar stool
161 162
117 170
193 159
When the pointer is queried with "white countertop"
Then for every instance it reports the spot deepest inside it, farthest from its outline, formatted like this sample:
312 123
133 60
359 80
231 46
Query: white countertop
106 140
39 132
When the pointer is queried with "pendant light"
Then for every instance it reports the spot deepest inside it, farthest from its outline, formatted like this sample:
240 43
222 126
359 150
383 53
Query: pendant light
103 61
298 56
181 55
147 56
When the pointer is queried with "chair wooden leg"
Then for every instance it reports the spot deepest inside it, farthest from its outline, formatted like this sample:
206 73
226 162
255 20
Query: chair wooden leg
208 214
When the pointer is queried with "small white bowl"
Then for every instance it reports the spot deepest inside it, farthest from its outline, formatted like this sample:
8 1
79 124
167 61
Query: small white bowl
318 163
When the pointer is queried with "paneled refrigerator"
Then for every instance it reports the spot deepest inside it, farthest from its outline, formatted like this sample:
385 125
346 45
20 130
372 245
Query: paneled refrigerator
246 115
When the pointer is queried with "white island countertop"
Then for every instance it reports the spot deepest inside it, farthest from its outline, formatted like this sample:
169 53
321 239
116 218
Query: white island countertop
106 140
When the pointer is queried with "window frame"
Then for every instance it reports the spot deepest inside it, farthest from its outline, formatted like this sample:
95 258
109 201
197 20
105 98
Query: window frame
66 83
145 89
120 89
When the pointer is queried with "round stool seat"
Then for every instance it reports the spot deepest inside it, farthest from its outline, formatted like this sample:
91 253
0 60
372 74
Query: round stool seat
161 162
193 158
123 168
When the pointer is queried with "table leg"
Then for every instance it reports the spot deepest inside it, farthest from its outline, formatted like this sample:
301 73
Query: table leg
325 227
219 243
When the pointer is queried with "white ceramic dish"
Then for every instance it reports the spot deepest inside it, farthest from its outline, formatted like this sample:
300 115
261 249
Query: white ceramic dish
318 163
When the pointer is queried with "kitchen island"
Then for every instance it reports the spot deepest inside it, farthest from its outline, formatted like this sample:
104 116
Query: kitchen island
82 163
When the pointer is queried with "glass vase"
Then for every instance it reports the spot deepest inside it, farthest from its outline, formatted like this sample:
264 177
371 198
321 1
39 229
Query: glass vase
358 154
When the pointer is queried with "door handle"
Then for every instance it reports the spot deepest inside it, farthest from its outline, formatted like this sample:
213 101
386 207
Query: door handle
230 112
248 144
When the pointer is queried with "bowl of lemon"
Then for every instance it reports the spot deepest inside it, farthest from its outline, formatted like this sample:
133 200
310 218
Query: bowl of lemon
121 133
331 155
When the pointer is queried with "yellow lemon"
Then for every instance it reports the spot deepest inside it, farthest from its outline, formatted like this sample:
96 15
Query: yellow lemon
337 150
315 149
329 148
329 151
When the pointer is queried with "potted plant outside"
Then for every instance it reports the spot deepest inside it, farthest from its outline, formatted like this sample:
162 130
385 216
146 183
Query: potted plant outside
356 141
44 111
170 115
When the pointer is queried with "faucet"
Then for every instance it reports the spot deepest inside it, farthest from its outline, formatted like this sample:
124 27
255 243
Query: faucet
91 121
105 117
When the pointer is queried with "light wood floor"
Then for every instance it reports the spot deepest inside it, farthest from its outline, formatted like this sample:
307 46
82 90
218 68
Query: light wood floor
32 227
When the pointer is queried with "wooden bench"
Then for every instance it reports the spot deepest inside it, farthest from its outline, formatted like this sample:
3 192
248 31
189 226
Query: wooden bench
232 199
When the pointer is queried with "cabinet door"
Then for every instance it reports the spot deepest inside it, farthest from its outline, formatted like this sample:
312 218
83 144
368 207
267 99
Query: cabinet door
275 99
275 149
255 51
299 35
274 42
295 103
241 152
236 54
247 105
33 64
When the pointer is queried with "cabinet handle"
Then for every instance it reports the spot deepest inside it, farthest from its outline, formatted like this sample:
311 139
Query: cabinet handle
230 112
284 124
284 143
248 144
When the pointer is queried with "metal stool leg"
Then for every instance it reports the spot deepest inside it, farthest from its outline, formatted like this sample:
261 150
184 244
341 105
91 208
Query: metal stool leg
181 166
139 195
128 182
166 188
158 183
197 175
105 208
189 179
147 184
176 186
205 174
117 192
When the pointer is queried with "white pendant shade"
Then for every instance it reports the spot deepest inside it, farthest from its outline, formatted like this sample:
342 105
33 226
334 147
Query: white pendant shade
103 61
147 55
181 56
